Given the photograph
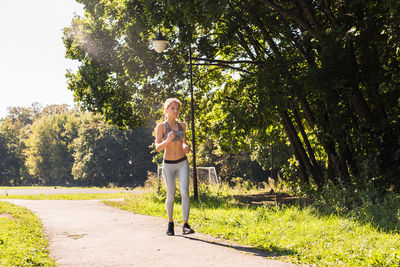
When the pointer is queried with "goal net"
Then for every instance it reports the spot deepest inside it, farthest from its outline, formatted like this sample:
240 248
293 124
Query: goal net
205 175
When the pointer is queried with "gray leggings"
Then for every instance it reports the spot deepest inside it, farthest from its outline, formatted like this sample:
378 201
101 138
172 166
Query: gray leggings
169 171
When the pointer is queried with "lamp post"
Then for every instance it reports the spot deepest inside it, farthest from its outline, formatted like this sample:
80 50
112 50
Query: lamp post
160 44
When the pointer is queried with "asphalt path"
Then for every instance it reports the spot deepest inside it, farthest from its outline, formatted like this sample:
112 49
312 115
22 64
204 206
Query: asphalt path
90 233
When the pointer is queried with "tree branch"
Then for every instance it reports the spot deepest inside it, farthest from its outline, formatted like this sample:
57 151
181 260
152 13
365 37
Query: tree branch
268 37
223 66
202 76
230 98
326 6
256 45
306 8
226 61
245 46
292 15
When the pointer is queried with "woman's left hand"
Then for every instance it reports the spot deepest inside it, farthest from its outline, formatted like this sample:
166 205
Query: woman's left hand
186 148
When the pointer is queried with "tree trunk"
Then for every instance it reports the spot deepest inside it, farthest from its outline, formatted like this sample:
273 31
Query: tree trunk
375 99
361 106
307 110
336 163
316 169
297 142
350 159
331 170
291 133
357 99
343 165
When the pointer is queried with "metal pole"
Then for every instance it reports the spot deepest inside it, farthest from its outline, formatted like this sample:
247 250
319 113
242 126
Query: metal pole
195 195
272 161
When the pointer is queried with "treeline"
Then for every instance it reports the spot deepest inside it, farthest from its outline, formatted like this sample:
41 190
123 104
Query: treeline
56 145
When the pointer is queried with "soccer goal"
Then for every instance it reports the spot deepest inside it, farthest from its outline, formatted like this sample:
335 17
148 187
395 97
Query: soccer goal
205 175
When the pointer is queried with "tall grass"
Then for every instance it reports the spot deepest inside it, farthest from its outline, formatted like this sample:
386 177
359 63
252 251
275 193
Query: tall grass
292 233
367 205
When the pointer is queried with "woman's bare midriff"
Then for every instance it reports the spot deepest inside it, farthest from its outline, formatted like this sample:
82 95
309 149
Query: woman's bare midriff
174 151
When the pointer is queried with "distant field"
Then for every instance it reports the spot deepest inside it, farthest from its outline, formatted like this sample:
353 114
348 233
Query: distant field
28 187
60 187
78 196
65 193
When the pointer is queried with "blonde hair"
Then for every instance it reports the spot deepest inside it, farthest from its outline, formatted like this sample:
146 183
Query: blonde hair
169 101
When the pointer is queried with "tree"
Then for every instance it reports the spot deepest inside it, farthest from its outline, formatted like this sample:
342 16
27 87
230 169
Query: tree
105 155
48 148
13 129
327 72
10 164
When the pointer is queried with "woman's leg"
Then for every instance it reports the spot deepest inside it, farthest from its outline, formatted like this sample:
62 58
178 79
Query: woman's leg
169 174
183 173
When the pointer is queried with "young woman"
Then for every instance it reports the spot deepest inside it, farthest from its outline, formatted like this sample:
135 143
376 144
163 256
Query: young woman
170 137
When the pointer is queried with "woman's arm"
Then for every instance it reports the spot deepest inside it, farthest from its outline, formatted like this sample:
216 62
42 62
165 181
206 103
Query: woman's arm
185 146
160 144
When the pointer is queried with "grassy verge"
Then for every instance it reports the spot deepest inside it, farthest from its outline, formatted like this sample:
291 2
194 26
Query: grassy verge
75 196
59 187
22 242
24 187
291 233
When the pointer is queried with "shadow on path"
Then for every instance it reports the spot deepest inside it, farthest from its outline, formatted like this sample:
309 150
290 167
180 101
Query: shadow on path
248 250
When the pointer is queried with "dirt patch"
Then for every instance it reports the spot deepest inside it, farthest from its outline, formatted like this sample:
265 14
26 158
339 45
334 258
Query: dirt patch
76 236
269 199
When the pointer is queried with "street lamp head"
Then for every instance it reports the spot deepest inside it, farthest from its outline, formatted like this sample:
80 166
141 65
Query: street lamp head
159 43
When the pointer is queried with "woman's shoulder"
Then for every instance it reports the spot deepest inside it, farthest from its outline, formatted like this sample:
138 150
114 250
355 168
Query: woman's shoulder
161 125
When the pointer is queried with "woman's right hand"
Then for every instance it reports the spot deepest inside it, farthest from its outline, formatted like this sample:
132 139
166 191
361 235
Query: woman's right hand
170 137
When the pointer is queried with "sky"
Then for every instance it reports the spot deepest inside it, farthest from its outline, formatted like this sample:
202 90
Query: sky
32 54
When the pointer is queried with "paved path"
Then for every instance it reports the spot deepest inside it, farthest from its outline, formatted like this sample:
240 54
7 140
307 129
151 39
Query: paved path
90 233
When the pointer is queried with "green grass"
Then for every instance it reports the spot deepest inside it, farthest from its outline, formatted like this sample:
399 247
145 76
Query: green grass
22 241
300 235
59 187
75 196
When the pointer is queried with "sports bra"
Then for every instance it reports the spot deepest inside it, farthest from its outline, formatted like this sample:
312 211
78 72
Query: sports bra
179 135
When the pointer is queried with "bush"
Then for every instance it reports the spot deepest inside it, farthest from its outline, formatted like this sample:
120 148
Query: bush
366 205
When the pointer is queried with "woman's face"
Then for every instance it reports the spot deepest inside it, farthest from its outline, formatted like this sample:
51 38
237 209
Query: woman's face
173 110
